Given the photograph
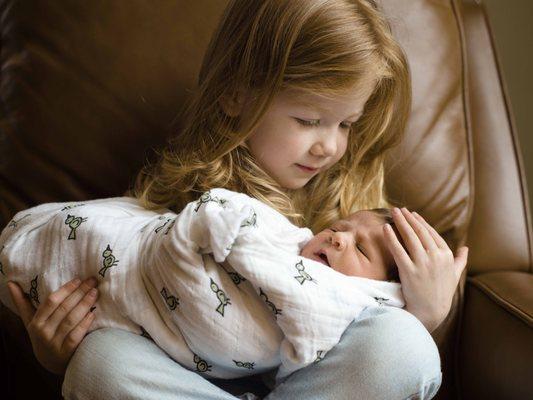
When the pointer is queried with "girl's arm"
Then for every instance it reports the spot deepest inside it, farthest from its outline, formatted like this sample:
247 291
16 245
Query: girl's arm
430 272
60 323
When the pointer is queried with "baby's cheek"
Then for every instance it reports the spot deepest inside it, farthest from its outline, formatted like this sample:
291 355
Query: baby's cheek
311 246
306 250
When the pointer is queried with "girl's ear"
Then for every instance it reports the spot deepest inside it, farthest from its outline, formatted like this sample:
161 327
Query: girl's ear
233 104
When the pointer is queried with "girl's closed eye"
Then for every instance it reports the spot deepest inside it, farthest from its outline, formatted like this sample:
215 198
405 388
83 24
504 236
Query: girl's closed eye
304 122
316 122
346 125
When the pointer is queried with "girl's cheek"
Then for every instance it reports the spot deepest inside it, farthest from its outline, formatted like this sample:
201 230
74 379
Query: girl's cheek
342 149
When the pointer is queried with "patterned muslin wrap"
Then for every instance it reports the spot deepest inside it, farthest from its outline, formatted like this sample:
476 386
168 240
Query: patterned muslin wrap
220 287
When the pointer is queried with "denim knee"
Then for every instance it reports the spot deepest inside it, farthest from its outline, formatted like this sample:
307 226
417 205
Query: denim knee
88 373
112 364
399 355
116 364
385 354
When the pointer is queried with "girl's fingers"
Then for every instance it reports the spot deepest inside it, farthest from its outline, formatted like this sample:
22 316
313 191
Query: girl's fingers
76 316
24 306
409 236
48 307
66 306
76 335
425 237
401 257
441 243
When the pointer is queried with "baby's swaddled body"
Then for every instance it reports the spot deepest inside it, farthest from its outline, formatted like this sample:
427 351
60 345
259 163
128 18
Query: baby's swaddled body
220 287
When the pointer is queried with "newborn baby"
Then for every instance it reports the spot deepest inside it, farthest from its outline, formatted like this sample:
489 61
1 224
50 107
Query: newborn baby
356 246
228 288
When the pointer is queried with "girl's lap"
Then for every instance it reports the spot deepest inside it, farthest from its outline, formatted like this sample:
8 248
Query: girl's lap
385 353
115 364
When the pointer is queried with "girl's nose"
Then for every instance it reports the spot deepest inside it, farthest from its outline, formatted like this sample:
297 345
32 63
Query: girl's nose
326 146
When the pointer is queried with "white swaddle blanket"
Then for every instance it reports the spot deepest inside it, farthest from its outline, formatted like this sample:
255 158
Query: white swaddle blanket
220 287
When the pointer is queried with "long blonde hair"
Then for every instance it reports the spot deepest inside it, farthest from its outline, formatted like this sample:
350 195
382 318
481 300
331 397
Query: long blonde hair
261 48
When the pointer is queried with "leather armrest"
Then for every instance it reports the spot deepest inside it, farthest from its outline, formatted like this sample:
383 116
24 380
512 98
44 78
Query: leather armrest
496 348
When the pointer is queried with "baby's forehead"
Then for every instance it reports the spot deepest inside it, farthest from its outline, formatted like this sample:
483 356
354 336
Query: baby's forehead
364 217
373 221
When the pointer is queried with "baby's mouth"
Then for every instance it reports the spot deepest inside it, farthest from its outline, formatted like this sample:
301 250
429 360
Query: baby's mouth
323 257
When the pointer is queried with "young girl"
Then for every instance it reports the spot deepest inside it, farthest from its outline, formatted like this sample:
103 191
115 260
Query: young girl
297 104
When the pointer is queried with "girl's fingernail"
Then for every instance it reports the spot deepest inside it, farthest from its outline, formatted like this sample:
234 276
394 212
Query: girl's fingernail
396 210
387 227
92 292
76 281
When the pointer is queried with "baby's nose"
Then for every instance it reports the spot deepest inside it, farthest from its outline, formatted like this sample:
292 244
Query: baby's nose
337 240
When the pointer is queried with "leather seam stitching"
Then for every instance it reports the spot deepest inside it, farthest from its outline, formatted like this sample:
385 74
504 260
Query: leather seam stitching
506 305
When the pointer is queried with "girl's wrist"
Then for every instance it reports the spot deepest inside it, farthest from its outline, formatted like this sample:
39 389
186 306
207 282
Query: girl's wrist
430 322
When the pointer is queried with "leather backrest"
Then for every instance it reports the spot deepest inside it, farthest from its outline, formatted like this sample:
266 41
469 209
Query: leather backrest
500 234
430 171
88 88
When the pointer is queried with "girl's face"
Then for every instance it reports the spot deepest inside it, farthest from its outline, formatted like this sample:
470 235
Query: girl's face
302 134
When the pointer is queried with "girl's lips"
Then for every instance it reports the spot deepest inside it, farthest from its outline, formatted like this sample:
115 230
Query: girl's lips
306 169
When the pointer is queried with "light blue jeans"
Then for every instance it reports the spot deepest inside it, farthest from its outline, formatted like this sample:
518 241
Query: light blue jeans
384 354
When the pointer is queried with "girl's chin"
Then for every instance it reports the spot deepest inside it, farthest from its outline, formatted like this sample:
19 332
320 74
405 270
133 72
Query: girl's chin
294 185
293 182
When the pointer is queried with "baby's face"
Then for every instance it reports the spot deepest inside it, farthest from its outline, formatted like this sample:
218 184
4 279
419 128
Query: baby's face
353 246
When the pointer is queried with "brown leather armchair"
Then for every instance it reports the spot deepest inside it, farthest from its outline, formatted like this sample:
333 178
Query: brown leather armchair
89 89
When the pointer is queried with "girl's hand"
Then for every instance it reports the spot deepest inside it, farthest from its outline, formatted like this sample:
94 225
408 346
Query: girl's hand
60 322
429 273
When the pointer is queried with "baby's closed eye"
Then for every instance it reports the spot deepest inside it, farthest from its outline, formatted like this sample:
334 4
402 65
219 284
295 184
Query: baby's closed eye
361 249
